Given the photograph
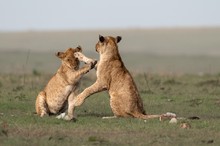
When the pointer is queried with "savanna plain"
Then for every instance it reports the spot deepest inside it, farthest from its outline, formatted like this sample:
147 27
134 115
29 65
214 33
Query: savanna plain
175 70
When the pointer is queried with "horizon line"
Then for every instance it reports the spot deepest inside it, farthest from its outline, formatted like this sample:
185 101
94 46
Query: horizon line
111 28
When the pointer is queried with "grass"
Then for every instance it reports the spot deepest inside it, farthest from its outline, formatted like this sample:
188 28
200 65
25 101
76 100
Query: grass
47 62
185 95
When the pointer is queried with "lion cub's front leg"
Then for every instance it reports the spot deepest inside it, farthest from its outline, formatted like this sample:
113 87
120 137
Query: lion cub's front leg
83 70
90 64
79 100
72 96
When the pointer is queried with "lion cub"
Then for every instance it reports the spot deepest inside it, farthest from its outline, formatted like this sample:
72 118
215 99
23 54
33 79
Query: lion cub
113 76
62 87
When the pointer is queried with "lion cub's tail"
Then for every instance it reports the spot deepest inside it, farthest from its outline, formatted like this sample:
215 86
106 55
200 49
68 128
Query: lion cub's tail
145 117
167 115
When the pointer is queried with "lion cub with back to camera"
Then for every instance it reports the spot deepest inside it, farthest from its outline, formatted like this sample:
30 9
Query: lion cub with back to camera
113 76
62 87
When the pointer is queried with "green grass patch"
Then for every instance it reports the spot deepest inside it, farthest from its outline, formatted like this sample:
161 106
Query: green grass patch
186 95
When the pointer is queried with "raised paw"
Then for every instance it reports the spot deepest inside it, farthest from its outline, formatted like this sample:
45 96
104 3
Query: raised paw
87 68
93 64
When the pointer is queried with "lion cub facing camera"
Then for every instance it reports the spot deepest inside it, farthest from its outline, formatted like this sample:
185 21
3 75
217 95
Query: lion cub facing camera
62 87
113 76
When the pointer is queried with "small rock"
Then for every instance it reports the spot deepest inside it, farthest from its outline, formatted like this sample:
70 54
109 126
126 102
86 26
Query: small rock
167 116
173 121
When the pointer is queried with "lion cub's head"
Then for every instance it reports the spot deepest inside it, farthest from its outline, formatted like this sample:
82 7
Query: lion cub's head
107 44
68 58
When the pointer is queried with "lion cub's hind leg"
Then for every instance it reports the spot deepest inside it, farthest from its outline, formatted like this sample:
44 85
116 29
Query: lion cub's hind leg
41 105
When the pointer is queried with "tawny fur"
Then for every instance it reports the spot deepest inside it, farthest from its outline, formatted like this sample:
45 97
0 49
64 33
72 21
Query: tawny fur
62 87
113 76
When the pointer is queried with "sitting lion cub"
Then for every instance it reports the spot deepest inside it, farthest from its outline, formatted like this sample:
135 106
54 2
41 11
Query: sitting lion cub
113 76
63 85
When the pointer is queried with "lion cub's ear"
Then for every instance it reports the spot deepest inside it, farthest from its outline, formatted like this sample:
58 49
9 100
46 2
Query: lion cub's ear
60 55
78 49
101 38
118 39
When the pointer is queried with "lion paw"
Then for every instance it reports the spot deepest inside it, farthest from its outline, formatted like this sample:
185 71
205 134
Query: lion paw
93 64
44 114
61 116
69 118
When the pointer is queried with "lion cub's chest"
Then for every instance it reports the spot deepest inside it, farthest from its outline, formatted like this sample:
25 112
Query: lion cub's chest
60 95
58 99
67 90
67 85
